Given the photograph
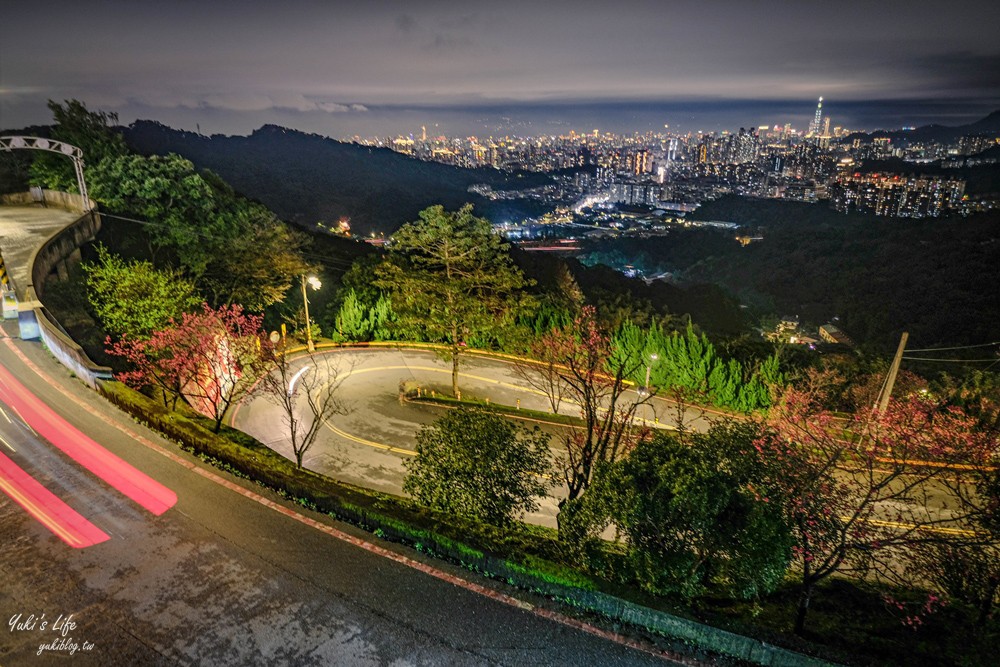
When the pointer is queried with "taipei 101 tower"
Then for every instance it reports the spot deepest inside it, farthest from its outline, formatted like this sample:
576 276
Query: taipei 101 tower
816 124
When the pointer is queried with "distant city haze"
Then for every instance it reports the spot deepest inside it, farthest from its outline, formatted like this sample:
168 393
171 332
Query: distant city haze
486 68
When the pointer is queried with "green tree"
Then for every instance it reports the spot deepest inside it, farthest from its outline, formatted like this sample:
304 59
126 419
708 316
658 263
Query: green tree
697 514
479 465
133 298
381 318
352 323
236 251
90 131
168 193
451 279
256 258
689 364
359 278
568 289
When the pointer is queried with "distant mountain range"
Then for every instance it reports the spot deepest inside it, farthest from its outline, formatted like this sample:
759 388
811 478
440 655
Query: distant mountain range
307 178
941 133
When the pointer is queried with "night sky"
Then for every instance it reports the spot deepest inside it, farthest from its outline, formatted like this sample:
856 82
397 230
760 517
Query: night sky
367 67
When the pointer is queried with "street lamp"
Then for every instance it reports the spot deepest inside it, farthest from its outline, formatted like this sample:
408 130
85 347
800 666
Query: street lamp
643 391
315 283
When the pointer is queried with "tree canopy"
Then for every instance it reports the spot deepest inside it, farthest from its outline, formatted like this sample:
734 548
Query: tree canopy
698 514
479 465
133 298
92 132
450 278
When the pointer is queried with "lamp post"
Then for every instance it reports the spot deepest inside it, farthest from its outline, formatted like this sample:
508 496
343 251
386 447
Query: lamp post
649 366
644 391
315 283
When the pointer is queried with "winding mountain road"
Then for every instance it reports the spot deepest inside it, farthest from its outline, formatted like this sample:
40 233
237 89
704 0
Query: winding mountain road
225 574
367 447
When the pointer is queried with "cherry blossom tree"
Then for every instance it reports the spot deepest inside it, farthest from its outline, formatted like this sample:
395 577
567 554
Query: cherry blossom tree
859 490
595 379
212 358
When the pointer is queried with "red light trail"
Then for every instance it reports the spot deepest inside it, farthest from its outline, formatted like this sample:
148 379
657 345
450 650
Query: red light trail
64 522
133 483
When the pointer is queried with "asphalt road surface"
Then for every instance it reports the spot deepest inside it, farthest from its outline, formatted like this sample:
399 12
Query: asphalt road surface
228 575
22 230
368 445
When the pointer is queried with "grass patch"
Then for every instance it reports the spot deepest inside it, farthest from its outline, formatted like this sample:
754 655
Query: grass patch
506 410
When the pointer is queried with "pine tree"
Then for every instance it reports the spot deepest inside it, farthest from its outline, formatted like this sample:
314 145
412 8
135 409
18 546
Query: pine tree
452 280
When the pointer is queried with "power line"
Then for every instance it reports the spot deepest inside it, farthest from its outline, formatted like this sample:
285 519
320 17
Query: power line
212 237
959 347
954 361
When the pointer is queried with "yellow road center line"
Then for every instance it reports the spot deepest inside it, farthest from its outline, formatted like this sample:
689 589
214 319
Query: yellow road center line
944 530
369 443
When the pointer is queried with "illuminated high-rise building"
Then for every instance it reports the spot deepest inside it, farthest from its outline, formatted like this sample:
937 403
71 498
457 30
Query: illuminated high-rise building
815 125
826 126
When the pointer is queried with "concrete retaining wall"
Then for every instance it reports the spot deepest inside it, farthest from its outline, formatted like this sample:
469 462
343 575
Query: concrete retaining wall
54 257
61 250
66 200
66 350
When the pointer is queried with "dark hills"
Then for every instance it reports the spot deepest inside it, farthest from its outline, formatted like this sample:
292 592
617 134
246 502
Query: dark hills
940 133
931 277
307 178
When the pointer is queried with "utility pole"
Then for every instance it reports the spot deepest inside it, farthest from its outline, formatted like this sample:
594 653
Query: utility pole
883 402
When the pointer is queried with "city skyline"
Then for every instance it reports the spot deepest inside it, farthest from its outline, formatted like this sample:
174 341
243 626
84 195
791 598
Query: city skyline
478 67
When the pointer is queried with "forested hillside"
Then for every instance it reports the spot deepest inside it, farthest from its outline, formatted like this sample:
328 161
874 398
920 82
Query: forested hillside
306 178
934 278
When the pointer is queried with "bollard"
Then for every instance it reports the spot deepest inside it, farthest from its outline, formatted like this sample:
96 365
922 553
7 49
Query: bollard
519 404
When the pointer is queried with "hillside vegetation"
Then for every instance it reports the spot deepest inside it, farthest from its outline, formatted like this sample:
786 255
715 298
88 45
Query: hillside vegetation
306 178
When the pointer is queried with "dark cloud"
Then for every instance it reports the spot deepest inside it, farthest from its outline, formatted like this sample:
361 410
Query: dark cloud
326 59
961 70
406 23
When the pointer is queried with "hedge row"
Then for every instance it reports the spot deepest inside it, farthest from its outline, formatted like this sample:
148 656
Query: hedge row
507 410
531 555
